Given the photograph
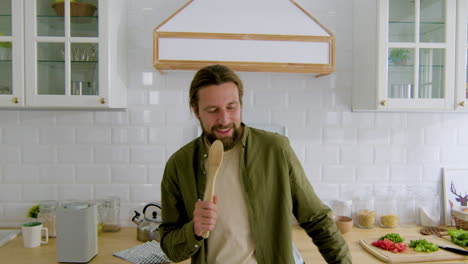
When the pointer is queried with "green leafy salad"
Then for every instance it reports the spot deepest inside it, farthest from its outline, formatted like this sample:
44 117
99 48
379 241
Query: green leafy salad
422 245
459 237
394 237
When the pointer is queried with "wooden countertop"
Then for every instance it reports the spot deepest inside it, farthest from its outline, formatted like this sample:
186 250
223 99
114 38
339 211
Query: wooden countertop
14 252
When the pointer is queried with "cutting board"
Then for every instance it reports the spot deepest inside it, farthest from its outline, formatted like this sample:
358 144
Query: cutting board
411 256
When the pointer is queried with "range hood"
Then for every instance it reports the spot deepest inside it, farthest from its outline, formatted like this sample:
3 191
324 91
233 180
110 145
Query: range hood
245 35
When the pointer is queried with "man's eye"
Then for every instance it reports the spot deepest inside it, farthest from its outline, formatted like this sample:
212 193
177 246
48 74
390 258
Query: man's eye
211 110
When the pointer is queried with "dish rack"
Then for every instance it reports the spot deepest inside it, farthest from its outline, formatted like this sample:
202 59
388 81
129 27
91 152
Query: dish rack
76 9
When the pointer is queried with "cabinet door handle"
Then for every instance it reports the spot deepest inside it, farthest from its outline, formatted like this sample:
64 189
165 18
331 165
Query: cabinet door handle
463 103
15 100
384 103
102 100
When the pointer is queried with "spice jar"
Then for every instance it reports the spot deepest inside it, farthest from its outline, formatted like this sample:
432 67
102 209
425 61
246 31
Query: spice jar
387 212
365 213
47 216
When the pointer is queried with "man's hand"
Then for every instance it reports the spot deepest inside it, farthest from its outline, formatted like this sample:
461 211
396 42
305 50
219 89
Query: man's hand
204 216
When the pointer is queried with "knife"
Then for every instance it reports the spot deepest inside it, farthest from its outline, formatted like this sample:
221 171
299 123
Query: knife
455 250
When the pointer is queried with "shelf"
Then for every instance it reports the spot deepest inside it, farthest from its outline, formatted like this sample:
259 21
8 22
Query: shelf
62 61
423 23
433 66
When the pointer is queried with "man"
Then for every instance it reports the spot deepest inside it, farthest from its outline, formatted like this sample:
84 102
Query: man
259 184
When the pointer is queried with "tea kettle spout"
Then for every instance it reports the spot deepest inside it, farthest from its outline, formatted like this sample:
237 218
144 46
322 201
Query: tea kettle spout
136 219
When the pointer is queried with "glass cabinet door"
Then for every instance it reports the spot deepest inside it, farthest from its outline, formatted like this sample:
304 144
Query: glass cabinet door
67 48
6 48
462 57
420 37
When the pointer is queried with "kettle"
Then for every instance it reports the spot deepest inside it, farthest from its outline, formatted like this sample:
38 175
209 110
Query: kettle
147 229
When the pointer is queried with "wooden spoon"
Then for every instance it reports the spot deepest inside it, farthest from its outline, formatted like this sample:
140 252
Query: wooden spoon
215 158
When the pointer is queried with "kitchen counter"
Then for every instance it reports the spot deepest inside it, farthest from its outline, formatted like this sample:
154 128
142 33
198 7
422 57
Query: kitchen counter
14 252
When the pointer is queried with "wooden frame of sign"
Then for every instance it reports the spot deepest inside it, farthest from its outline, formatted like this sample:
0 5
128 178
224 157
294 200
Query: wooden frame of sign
183 50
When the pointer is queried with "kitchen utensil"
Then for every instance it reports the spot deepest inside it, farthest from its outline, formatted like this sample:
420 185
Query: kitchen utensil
455 250
31 233
215 158
77 232
148 228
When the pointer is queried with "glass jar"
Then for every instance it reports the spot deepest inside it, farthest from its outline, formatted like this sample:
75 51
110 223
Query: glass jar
47 216
342 208
365 213
387 212
110 214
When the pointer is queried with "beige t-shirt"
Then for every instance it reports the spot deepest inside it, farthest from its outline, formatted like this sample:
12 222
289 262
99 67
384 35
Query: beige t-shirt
231 241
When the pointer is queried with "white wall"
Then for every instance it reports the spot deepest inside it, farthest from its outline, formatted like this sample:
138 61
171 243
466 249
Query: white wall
87 155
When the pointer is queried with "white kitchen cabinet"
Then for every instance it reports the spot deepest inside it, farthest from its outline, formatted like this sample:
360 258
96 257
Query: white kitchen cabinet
409 55
69 60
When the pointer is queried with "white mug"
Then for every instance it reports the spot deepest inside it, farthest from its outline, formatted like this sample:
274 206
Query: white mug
31 232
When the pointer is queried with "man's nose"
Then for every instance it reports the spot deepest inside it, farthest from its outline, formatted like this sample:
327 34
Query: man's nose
223 117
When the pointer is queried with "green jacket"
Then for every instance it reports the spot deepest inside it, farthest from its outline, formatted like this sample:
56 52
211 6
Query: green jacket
275 185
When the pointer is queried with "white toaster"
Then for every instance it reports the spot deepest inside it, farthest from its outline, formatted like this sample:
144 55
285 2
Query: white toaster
76 225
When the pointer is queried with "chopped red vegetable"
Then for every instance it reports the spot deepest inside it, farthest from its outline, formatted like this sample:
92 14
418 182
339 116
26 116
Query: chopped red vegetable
389 245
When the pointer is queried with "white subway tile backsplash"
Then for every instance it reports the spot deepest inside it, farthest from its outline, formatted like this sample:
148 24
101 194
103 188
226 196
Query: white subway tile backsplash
377 136
89 154
130 135
133 174
20 136
56 135
405 174
322 154
270 99
81 192
426 154
390 154
74 118
145 192
97 135
106 190
147 154
147 117
20 174
37 118
56 175
372 174
10 192
440 136
357 154
39 192
111 118
424 120
75 154
155 174
339 135
111 154
9 118
10 154
93 174
39 154
358 120
338 174
454 155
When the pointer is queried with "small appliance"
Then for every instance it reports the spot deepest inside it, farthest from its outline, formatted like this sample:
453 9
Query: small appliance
76 232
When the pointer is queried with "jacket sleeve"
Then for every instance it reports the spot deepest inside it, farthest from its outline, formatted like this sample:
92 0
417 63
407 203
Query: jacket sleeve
315 217
177 237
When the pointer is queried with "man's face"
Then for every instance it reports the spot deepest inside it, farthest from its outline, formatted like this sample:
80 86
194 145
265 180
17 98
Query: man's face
219 112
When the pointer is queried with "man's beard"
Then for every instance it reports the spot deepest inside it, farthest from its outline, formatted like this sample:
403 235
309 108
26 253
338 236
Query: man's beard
228 142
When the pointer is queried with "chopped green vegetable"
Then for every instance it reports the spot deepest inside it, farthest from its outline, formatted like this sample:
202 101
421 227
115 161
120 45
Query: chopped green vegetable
33 211
459 237
422 245
396 238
